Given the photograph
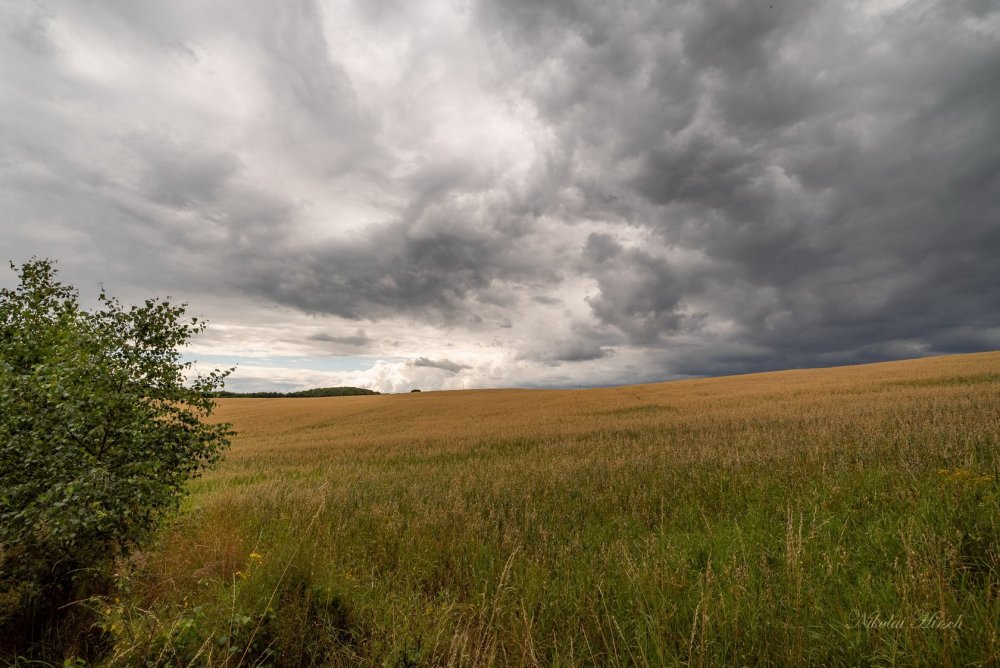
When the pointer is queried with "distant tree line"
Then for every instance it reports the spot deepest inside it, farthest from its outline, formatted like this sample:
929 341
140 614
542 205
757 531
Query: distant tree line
314 392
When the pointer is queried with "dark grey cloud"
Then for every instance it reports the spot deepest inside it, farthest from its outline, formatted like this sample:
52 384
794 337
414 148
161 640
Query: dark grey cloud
437 275
182 177
358 339
638 293
579 351
444 365
646 189
830 179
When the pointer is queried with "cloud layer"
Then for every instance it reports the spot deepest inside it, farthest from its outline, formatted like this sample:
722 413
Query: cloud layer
518 193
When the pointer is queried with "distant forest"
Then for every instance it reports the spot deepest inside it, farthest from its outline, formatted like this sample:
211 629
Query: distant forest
315 392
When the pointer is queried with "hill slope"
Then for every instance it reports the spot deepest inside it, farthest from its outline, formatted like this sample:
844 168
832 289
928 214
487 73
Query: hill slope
783 518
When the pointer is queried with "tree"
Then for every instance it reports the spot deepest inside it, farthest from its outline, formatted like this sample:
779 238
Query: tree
99 432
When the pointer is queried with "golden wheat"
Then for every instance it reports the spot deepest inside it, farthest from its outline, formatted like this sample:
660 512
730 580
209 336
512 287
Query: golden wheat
757 518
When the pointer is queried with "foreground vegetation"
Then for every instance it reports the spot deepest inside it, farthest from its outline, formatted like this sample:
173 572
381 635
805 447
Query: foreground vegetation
839 517
100 434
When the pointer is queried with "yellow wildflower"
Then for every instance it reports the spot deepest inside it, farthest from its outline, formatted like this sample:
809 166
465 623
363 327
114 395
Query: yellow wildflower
964 475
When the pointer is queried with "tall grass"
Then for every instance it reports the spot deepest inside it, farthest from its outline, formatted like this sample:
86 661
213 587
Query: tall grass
839 517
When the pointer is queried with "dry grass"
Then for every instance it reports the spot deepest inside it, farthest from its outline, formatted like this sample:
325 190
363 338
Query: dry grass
773 519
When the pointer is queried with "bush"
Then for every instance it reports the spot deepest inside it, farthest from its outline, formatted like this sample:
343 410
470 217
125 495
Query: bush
98 433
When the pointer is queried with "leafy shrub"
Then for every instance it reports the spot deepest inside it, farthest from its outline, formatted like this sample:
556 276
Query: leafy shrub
98 433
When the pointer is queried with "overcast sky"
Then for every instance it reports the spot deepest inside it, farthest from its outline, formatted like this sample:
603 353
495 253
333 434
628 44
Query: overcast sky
400 194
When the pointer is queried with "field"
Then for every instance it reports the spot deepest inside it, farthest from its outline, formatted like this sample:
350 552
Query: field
845 516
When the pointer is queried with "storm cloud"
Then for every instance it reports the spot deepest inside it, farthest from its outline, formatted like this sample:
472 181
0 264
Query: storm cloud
554 193
444 365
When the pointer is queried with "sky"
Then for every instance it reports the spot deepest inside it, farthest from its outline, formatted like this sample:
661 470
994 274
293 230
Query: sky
411 194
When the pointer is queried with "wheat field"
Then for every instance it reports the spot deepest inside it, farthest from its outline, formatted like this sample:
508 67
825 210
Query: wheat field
844 516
